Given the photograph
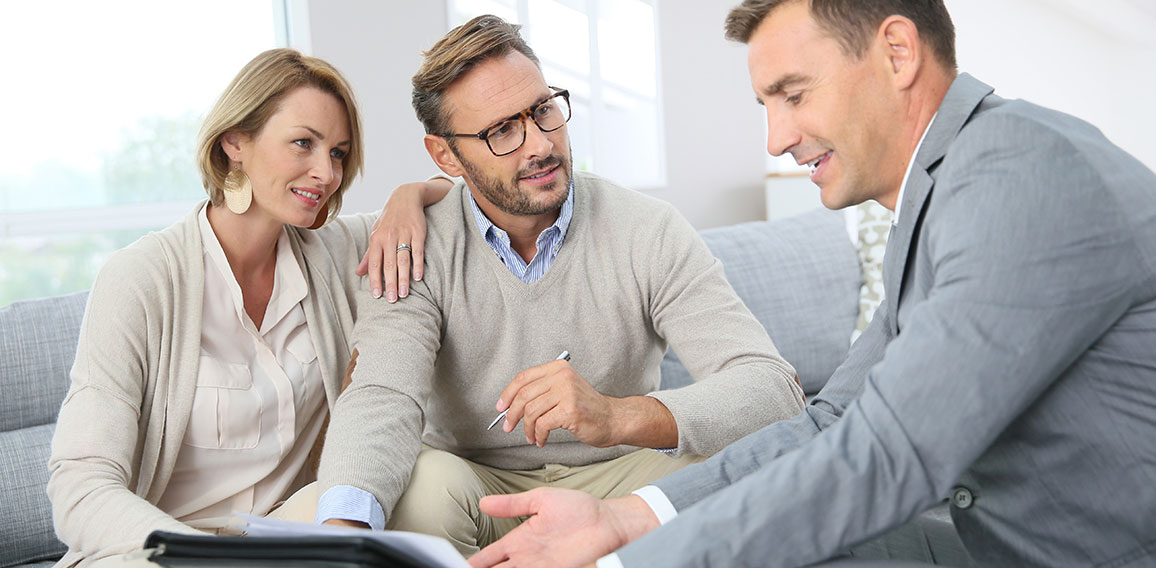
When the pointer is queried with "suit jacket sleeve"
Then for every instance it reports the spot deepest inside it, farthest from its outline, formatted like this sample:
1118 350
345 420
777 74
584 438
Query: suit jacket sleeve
1018 293
692 484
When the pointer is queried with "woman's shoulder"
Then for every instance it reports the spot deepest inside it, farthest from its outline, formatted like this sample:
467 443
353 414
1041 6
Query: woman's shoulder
153 262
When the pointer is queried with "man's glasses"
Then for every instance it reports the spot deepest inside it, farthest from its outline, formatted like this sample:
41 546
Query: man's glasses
509 135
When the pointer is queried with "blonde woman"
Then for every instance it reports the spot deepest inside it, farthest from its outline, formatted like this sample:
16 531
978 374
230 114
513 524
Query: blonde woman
212 351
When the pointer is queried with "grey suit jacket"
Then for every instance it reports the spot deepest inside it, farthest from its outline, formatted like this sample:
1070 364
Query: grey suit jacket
1012 368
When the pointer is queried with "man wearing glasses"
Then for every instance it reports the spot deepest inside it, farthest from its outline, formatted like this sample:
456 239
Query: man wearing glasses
527 260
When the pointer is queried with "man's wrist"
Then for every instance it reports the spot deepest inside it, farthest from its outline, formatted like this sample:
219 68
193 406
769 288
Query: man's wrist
631 517
643 421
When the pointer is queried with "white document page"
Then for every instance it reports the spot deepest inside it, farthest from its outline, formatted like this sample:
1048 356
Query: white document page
432 550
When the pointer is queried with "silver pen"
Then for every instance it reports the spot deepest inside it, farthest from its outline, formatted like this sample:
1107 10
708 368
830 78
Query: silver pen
565 355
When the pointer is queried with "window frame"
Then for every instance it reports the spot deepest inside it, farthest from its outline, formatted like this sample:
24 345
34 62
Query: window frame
30 229
596 101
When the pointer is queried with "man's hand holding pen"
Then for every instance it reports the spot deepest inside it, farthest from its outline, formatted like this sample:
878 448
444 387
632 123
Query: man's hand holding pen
555 395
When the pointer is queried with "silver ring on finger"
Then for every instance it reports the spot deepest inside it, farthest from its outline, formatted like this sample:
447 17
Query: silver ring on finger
404 247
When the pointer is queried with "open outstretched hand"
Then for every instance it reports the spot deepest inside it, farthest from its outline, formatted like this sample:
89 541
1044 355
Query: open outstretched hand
565 528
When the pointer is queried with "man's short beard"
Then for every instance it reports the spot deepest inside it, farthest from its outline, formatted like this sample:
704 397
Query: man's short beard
507 196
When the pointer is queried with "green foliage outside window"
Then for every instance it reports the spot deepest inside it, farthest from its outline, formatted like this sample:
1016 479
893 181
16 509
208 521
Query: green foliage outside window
154 163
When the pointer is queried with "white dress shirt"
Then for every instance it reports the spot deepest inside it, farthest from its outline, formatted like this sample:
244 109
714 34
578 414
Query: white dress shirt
259 402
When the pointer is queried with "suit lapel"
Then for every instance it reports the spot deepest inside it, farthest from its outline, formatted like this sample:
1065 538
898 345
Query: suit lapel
958 104
899 241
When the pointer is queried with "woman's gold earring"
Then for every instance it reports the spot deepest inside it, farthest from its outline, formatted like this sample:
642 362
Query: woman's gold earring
238 190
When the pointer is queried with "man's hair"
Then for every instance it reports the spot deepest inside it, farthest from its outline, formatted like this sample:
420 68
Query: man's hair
256 94
466 46
853 23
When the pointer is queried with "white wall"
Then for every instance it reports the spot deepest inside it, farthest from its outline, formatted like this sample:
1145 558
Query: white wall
714 133
1094 60
715 139
377 45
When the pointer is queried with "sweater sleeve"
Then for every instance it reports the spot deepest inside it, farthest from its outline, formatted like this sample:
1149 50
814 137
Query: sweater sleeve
742 383
95 448
375 430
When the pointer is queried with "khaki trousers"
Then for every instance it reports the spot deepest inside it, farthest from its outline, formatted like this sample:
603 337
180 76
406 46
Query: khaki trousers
443 493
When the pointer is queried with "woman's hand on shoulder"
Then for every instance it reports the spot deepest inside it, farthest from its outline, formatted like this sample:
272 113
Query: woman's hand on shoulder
397 244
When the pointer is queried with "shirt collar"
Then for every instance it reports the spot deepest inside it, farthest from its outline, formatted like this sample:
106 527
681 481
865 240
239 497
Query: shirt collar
907 174
289 286
562 224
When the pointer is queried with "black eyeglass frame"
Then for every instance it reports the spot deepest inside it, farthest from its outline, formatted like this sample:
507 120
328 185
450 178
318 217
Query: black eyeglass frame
522 116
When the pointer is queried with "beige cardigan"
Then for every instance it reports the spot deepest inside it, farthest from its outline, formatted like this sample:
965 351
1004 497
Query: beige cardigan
123 420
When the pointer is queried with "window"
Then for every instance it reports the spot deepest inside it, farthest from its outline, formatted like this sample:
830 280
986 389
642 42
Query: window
102 111
604 52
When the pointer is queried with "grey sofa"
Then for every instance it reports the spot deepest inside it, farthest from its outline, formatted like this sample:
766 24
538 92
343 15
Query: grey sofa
800 276
37 346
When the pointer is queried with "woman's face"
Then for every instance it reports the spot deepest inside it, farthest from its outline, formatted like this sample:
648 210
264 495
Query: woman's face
295 162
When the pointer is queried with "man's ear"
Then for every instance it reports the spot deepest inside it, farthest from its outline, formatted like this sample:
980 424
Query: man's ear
443 156
903 49
231 143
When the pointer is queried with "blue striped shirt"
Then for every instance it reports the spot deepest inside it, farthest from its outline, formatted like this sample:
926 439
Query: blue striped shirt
549 241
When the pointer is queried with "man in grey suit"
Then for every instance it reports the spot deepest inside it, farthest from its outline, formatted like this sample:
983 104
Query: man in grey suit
1011 369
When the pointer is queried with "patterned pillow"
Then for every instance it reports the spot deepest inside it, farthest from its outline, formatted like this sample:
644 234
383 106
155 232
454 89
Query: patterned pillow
868 225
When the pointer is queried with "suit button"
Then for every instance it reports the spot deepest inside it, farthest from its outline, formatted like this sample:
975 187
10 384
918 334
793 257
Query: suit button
961 497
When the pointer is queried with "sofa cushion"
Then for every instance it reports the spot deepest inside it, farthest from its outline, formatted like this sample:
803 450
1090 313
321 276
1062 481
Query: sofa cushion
800 277
37 347
25 512
38 344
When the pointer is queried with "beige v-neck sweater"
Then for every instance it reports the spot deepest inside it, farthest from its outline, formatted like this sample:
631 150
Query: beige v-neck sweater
631 277
124 418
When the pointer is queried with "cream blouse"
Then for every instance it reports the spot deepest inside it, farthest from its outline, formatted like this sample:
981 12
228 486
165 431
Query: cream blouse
259 402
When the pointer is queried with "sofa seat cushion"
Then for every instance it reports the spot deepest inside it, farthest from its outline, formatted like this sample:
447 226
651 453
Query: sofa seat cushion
25 512
800 277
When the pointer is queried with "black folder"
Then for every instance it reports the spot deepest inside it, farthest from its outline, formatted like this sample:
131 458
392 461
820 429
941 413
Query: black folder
177 550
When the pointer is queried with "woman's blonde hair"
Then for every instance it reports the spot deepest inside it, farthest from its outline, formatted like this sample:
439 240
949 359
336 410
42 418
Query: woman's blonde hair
255 95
